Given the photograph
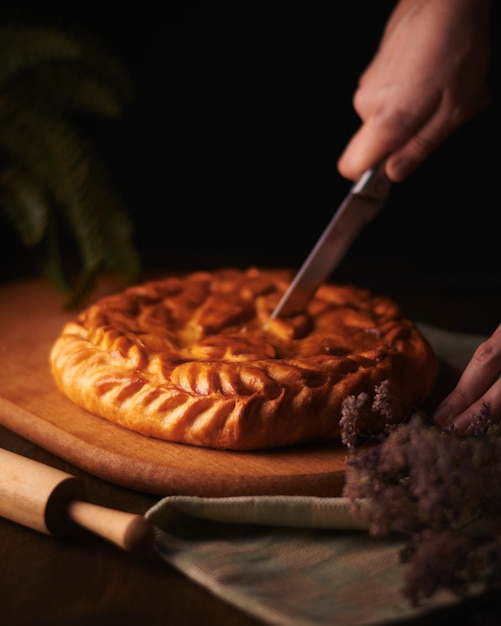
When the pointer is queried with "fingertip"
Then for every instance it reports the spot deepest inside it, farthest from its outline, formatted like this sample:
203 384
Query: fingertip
367 147
348 164
346 171
398 169
351 165
353 160
442 415
460 424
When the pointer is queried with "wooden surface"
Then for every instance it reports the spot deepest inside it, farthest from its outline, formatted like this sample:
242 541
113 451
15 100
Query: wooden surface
31 317
82 580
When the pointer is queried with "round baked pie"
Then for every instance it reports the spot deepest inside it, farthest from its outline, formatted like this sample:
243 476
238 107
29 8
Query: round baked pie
197 359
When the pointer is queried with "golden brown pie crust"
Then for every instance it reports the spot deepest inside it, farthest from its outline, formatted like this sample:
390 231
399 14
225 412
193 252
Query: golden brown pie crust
196 359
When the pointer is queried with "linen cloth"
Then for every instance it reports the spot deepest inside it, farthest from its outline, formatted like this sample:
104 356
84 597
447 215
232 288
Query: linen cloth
296 560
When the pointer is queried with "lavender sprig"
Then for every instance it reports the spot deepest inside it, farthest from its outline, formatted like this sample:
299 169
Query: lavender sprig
441 491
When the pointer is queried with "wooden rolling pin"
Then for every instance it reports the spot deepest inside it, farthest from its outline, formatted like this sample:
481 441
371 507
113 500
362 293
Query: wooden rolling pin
52 501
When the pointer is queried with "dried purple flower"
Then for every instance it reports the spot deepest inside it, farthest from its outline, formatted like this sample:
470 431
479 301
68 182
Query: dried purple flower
350 414
441 491
381 403
483 420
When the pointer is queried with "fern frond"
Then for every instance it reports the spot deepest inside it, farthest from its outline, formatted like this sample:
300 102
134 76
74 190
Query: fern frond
55 157
103 68
40 64
23 205
64 272
120 254
69 89
44 144
53 265
51 189
22 47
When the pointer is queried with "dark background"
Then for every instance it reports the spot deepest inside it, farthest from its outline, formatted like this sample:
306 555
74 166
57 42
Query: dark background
228 154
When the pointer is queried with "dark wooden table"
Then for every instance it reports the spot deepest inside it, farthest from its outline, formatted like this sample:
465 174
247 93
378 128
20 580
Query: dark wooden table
82 580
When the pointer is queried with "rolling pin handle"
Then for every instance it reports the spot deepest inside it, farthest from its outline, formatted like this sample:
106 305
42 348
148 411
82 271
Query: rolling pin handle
128 531
37 495
51 501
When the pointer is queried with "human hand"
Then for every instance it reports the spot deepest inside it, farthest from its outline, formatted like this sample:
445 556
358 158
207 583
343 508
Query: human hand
426 79
480 383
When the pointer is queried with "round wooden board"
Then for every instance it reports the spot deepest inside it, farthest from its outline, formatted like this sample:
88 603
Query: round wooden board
31 316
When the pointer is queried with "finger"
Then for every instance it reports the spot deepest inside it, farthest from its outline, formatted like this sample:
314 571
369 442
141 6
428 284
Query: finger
383 133
368 146
431 134
483 369
477 380
478 376
465 421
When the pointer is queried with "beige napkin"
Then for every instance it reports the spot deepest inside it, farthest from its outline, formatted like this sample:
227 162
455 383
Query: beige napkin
296 560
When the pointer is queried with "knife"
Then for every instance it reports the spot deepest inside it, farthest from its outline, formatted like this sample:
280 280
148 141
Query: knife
364 201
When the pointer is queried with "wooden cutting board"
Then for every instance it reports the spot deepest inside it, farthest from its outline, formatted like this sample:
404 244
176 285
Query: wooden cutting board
31 316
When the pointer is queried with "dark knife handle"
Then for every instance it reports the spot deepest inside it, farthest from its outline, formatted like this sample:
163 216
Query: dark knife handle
373 183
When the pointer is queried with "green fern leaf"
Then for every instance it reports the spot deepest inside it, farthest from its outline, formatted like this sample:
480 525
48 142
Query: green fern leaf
120 254
22 47
53 265
103 68
51 188
57 266
23 205
68 89
77 72
56 158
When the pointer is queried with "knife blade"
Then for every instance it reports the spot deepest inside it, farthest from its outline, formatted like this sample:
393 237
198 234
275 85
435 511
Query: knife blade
364 201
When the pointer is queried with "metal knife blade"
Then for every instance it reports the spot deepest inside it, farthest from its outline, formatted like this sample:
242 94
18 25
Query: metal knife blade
364 201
